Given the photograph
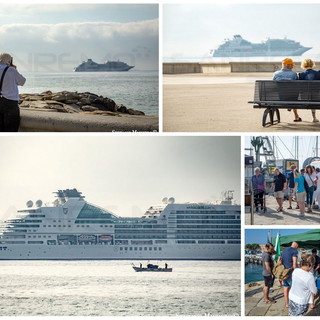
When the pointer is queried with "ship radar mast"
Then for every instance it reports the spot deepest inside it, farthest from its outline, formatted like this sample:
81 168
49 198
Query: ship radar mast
227 197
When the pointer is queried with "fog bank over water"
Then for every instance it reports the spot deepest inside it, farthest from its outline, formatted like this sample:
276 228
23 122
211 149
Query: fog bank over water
55 40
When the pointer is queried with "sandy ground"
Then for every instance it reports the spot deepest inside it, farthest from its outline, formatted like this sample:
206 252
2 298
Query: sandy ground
287 217
255 306
219 103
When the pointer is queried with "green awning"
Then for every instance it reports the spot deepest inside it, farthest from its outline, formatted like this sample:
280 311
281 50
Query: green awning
307 240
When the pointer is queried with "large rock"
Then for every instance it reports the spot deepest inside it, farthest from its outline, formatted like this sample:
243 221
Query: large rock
74 102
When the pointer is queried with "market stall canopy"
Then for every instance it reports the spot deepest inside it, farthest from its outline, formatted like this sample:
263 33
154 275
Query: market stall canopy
307 240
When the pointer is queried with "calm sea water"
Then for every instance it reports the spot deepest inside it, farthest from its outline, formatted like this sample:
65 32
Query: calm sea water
134 89
112 288
253 272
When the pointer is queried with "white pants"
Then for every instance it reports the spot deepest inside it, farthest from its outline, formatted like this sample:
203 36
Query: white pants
316 196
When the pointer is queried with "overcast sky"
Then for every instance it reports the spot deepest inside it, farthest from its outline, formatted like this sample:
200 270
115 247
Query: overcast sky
123 174
58 37
191 30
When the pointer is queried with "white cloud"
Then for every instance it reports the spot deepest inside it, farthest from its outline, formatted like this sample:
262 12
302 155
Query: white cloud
92 39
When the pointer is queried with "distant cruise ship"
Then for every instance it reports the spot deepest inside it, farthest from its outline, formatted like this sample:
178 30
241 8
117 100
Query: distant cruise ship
72 228
91 66
239 47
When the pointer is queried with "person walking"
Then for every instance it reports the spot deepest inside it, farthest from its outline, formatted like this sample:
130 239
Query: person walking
303 287
316 194
278 186
286 73
310 74
300 191
259 188
311 179
10 79
289 258
267 265
290 185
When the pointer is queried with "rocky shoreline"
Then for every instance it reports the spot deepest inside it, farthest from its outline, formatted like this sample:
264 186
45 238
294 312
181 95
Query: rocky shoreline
74 102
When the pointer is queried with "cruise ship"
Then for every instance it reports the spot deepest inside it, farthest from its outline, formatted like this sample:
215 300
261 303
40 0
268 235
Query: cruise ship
91 66
72 228
239 47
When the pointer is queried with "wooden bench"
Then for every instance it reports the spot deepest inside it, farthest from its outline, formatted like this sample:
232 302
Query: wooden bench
274 95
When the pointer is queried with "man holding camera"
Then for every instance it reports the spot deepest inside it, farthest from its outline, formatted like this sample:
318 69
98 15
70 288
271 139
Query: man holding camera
10 79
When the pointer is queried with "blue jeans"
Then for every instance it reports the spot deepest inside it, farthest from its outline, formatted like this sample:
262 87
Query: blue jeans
310 195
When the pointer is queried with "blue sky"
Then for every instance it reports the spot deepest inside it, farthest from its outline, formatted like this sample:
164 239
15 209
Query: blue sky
261 235
58 37
191 30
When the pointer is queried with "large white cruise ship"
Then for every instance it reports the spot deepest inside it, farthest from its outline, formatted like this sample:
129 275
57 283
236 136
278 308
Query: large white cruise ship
72 228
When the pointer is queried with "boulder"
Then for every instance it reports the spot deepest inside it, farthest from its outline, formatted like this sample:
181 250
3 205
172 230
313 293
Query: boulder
135 112
89 108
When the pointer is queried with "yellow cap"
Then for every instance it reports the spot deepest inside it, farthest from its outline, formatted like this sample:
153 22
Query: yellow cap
287 61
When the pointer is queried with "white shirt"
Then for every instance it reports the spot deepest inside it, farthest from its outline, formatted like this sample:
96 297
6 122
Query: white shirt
310 179
303 285
11 81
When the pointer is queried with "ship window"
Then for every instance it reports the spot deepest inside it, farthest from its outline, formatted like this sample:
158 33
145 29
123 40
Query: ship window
88 226
101 225
49 236
82 226
44 225
49 225
78 226
59 226
69 226
150 248
64 226
130 248
59 220
126 248
155 248
135 248
145 248
69 220
121 248
160 248
54 221
54 226
140 248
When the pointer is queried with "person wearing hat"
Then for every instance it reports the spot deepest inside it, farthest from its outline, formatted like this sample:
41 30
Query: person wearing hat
286 73
10 79
310 74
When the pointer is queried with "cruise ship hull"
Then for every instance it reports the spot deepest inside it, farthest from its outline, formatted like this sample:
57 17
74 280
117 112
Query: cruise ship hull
112 252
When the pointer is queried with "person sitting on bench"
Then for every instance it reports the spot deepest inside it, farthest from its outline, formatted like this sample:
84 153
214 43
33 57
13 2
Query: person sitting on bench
286 73
310 74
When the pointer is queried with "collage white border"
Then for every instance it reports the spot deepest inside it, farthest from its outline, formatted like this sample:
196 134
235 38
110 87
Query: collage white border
161 133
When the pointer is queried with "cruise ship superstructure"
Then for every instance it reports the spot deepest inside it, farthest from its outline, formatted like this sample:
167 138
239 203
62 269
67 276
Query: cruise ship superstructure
110 66
72 228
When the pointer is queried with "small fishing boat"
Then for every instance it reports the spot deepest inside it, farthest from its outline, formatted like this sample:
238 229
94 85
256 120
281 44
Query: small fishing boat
151 268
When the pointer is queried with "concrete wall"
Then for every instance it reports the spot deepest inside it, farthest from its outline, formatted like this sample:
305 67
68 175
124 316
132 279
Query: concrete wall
41 121
217 67
178 68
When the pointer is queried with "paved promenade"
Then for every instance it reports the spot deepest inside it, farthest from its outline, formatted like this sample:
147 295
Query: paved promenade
255 306
219 102
287 217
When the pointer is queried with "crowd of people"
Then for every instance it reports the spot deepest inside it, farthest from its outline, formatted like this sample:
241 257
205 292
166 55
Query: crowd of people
286 73
299 286
303 186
